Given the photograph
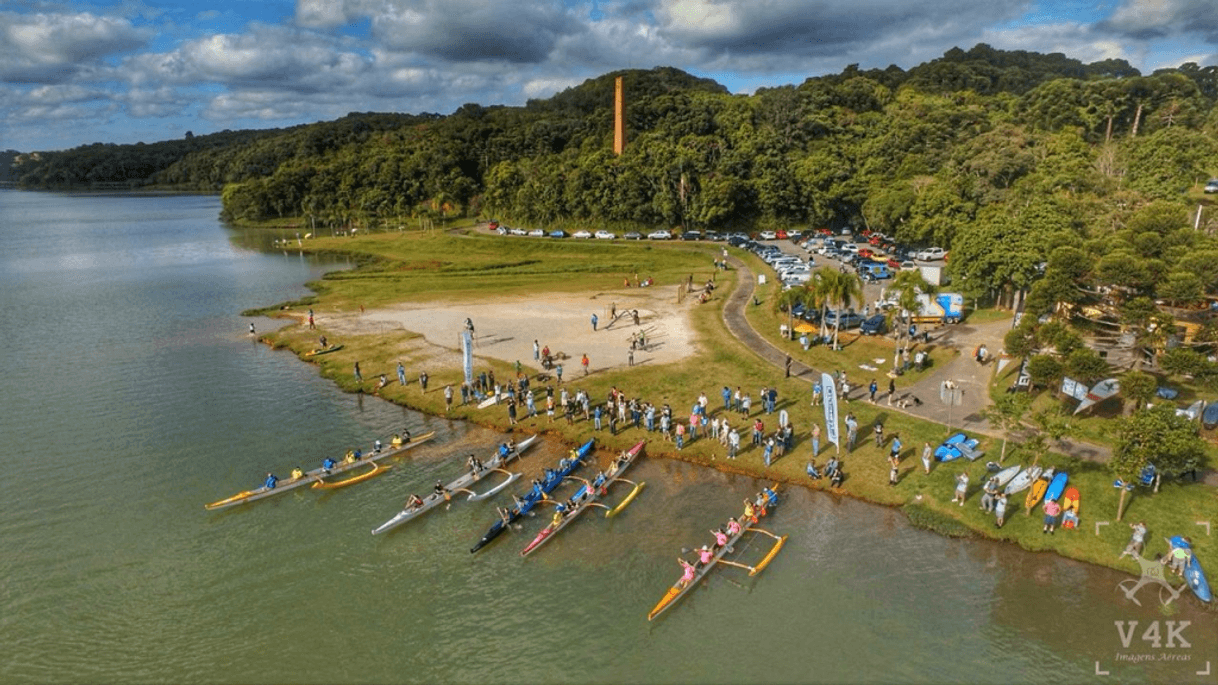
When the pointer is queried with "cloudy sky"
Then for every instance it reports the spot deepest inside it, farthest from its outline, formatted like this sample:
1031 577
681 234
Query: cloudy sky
74 73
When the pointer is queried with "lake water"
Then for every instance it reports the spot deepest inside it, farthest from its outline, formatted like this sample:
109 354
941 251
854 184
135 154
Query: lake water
131 394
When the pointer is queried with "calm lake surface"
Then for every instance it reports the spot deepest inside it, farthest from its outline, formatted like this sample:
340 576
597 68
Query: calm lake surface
131 394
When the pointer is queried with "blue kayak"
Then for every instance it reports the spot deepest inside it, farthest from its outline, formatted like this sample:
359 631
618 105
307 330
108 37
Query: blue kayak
1056 487
1196 579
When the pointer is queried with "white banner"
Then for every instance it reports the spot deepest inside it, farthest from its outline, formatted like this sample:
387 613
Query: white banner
467 354
829 394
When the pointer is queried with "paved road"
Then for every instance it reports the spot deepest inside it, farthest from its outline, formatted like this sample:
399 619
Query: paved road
971 377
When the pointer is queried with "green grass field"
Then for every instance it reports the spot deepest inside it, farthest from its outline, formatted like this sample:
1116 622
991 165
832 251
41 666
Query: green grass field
397 267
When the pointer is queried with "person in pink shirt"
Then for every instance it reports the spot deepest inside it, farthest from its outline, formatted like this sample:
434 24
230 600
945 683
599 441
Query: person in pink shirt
688 573
720 537
705 555
1052 509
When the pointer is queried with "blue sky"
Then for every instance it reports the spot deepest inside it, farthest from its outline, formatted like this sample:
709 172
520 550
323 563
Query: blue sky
75 73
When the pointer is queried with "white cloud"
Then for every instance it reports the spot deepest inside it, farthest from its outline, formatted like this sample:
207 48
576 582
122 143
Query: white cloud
49 48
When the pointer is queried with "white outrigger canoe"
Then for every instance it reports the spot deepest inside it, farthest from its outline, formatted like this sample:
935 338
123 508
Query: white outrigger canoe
288 484
593 493
462 484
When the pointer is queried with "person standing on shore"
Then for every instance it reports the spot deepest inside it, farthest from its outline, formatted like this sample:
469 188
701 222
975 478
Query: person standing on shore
448 401
536 351
872 390
630 357
594 320
584 363
815 440
401 375
312 326
423 381
358 376
1000 510
892 389
926 454
961 488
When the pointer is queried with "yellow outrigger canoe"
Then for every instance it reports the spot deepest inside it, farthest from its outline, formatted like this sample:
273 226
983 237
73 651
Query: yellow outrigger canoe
289 484
377 469
678 590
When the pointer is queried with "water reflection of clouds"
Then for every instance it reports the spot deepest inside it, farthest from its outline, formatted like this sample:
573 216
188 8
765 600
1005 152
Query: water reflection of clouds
177 254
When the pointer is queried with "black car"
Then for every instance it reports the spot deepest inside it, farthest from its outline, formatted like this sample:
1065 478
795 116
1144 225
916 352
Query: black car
691 235
876 324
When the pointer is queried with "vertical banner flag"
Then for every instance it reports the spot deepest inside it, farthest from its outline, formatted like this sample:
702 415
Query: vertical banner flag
467 355
829 395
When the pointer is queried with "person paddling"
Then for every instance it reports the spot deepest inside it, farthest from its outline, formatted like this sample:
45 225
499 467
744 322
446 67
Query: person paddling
733 527
688 574
414 502
271 480
720 537
705 556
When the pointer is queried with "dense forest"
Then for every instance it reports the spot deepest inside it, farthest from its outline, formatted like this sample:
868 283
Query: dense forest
1005 157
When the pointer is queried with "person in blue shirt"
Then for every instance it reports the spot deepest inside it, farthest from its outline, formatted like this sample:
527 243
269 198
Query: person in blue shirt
328 464
503 450
727 398
271 481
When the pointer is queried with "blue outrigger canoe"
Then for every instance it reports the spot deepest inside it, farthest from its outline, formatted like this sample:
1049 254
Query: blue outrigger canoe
1193 574
565 467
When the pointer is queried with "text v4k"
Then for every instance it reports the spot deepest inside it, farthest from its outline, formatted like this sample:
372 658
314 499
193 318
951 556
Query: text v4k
1153 635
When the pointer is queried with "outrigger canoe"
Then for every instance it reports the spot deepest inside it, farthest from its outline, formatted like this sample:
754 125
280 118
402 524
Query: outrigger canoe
377 469
678 590
289 484
1038 490
539 492
588 495
462 484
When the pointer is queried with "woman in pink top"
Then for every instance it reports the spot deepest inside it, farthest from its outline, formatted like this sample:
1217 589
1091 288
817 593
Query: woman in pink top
732 526
688 575
720 537
705 555
1052 509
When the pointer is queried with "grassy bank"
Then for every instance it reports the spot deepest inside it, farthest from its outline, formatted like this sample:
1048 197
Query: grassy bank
443 268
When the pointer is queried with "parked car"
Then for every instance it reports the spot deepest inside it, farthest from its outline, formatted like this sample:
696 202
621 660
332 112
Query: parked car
781 234
849 319
714 235
767 235
691 235
501 230
659 235
558 234
876 324
518 231
632 235
582 234
930 254
605 235
537 233
849 247
1212 186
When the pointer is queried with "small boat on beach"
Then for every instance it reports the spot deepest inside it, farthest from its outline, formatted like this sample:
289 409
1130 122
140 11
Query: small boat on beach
588 495
323 350
462 484
310 477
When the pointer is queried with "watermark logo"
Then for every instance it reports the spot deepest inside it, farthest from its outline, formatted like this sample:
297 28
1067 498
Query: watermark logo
1152 574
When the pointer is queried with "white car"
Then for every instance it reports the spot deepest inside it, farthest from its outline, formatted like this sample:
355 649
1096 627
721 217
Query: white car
849 248
518 231
581 234
605 235
930 254
797 278
768 235
659 235
537 233
501 230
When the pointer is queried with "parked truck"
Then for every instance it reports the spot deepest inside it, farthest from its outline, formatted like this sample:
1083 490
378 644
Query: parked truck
935 275
940 308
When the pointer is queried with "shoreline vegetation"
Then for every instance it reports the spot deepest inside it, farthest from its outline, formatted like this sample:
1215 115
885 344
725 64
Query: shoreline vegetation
460 265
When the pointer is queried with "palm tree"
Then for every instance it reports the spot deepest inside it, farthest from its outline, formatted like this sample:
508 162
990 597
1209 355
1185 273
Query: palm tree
788 299
846 290
907 285
822 288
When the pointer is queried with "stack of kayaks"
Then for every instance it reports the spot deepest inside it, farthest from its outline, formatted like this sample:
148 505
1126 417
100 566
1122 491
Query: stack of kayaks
1023 480
958 445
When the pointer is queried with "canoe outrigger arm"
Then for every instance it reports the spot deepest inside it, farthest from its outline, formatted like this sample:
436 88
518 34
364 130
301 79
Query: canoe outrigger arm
511 478
765 561
629 498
